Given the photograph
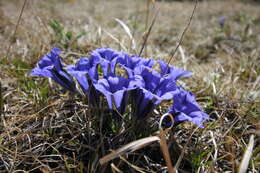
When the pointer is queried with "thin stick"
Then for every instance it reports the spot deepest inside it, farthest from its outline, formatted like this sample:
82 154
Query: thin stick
16 27
172 54
146 22
1 101
166 154
148 33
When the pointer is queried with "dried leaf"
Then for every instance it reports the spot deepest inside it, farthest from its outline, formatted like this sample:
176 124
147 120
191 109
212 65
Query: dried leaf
133 146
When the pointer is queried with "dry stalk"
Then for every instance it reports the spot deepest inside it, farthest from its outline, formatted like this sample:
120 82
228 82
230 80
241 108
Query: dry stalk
16 27
1 100
148 33
172 54
165 151
133 146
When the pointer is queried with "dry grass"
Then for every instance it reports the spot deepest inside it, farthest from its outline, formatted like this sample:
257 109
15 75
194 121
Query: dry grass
44 129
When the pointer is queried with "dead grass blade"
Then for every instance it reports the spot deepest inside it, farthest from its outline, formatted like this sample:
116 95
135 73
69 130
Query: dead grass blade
183 57
215 146
148 33
115 169
247 155
133 146
118 41
128 31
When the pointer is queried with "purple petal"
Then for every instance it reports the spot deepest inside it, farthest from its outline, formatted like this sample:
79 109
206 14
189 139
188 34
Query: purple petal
46 72
119 99
84 71
50 66
222 21
115 87
105 53
172 72
82 80
103 87
186 108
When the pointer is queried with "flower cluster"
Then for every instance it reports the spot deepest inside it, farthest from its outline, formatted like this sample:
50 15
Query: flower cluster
142 86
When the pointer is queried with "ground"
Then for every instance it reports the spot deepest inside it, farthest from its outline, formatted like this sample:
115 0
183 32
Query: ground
45 129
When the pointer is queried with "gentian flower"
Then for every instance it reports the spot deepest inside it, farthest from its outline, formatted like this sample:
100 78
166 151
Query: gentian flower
222 21
146 87
185 108
106 56
105 53
50 66
129 63
108 59
153 90
171 72
85 71
115 89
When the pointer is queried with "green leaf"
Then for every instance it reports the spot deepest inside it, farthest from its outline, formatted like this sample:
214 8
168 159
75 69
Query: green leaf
68 35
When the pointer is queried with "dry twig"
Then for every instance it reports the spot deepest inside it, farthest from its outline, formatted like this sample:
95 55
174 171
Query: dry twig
172 54
16 27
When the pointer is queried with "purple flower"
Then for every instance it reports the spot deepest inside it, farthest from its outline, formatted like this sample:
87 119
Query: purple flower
129 63
85 71
105 53
222 21
152 90
144 88
50 66
106 56
115 89
89 67
171 72
185 108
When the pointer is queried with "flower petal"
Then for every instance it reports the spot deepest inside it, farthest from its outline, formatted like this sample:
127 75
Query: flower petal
120 99
103 87
186 108
50 66
171 72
